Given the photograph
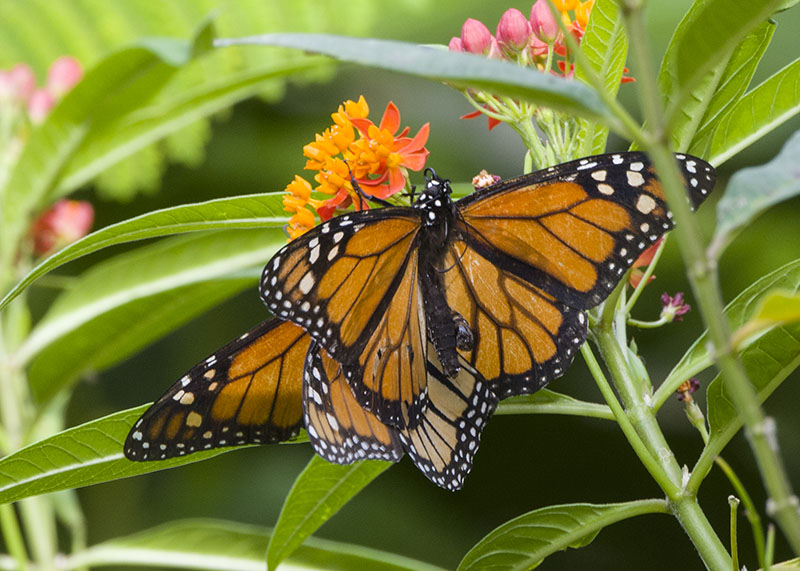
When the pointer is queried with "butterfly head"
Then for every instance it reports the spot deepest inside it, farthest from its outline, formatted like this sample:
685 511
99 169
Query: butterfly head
435 200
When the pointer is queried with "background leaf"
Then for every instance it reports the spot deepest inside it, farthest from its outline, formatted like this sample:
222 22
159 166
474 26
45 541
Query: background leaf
460 70
752 190
113 88
121 305
734 79
319 492
238 212
525 541
760 111
710 35
224 545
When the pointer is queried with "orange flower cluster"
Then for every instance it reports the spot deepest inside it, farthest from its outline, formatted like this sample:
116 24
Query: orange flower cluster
376 156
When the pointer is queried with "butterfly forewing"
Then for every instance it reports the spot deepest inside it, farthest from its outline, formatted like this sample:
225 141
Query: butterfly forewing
573 230
354 288
248 392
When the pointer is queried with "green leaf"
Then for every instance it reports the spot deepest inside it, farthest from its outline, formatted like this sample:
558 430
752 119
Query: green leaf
546 401
605 47
252 211
319 492
778 345
120 83
105 147
123 304
763 109
225 545
732 84
461 70
709 37
698 105
753 190
87 454
525 541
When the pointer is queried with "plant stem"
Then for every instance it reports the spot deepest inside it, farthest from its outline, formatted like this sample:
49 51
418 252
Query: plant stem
782 503
13 536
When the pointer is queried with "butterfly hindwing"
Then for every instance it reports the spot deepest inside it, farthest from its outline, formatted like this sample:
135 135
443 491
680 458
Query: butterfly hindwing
574 229
248 392
340 429
442 445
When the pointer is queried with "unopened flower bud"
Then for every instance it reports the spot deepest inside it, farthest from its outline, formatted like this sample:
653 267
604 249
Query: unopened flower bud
513 31
543 23
64 73
476 37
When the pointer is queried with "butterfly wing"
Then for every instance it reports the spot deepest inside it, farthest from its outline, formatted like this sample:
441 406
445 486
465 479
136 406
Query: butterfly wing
572 230
340 429
353 284
248 392
522 336
442 445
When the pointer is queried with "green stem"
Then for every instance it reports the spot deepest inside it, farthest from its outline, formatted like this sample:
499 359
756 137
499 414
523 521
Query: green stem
648 459
734 503
750 511
13 536
782 504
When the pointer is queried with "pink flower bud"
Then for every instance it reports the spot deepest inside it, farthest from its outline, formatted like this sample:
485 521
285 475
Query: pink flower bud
65 222
537 47
456 45
39 105
543 23
23 82
513 31
476 37
64 73
6 85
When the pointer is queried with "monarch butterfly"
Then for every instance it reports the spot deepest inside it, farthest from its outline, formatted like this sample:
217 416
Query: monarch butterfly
264 386
399 328
500 277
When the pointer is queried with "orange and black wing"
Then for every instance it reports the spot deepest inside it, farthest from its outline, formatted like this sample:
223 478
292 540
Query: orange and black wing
442 445
339 428
248 392
353 284
523 337
574 229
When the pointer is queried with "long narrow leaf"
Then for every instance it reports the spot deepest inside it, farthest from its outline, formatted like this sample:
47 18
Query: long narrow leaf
143 127
231 546
121 305
458 69
87 454
239 212
733 83
711 35
760 111
525 541
319 492
546 401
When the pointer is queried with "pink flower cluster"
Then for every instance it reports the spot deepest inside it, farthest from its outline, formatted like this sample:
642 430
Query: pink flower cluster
523 39
61 224
18 86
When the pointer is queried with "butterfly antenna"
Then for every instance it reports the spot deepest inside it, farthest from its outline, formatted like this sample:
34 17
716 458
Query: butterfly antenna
363 195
